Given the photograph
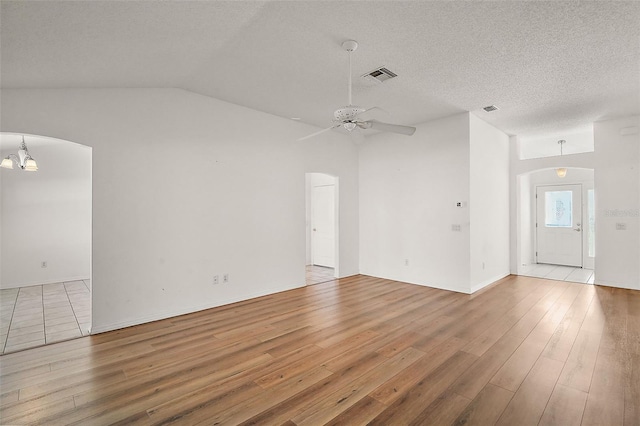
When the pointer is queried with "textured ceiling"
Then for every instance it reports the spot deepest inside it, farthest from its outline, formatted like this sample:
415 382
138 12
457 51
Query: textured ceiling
549 66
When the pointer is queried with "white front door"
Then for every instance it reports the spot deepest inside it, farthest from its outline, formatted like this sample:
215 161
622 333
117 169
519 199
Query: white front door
323 225
558 225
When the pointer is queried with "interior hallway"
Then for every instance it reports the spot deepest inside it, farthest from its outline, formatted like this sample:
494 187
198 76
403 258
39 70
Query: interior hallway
37 315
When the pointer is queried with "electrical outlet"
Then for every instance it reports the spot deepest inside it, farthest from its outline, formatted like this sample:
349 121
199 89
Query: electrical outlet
455 228
43 264
225 278
406 262
215 280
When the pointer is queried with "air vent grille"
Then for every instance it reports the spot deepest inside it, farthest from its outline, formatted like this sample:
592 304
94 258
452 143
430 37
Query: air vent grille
379 75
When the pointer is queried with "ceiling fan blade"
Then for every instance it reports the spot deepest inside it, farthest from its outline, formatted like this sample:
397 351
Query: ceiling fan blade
386 127
318 133
375 108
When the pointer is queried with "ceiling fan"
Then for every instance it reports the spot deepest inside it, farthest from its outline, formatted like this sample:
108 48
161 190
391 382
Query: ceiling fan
348 116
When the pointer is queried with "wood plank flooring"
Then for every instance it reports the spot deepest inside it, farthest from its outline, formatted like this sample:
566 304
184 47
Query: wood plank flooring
359 350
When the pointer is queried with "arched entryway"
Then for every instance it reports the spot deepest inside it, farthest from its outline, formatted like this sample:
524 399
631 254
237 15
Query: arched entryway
45 284
556 224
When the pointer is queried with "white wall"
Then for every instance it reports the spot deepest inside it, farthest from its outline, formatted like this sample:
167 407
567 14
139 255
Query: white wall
176 198
408 190
488 203
46 215
577 141
617 202
1 233
524 221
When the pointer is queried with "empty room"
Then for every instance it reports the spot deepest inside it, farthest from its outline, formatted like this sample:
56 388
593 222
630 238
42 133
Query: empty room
316 212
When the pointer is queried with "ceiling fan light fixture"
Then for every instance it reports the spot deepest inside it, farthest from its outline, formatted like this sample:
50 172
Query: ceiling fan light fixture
349 126
348 116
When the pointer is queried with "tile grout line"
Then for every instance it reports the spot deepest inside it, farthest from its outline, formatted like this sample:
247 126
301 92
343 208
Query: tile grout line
13 311
44 318
73 310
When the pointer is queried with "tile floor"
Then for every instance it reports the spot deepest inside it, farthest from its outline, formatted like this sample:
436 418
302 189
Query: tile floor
558 272
37 315
319 274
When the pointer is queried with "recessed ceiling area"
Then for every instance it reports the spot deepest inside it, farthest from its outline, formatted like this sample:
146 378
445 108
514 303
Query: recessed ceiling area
551 67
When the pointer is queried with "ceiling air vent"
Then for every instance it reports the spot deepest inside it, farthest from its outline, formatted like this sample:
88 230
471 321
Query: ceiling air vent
379 75
490 108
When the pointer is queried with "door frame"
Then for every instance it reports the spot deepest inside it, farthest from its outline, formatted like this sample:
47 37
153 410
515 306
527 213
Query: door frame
309 177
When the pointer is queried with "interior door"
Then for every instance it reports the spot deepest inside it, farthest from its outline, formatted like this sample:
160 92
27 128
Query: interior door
323 225
558 225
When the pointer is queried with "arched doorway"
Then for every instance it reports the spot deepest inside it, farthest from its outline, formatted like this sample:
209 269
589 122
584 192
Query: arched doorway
556 224
45 284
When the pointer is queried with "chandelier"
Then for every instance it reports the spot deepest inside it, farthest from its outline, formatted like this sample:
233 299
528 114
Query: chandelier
24 160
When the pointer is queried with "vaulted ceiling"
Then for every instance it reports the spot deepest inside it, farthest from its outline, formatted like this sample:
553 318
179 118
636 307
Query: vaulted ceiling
550 67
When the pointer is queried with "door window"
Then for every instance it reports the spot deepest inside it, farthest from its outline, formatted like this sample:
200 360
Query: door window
558 209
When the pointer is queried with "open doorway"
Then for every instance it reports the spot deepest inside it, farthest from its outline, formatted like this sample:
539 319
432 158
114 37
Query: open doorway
45 280
322 227
556 225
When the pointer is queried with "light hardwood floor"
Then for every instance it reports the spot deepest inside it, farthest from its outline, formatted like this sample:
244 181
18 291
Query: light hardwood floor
355 351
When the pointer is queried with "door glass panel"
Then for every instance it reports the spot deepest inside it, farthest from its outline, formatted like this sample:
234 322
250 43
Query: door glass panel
557 207
591 217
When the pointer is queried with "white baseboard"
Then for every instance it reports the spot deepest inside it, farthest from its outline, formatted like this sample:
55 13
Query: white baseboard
423 284
490 281
31 284
103 328
614 284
